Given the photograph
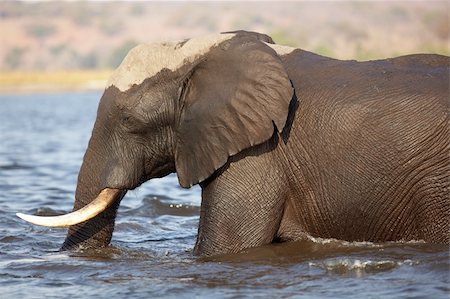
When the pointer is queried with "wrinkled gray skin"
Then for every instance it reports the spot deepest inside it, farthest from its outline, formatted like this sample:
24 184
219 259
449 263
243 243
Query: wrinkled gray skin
284 146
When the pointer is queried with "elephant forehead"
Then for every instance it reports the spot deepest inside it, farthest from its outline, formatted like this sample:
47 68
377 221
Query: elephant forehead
146 60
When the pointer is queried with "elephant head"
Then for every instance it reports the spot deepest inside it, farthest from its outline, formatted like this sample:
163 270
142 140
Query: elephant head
181 107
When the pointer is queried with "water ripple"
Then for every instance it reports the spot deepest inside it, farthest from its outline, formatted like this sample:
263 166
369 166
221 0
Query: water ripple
153 206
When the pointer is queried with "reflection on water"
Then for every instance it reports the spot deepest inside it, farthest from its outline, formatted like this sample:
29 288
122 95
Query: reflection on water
43 138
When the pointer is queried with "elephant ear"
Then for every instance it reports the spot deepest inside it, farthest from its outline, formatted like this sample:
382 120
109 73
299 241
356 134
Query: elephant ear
232 101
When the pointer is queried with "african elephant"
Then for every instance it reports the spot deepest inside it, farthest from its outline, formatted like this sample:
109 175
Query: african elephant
285 144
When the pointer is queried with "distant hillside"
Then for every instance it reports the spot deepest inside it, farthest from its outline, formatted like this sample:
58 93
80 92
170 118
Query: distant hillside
97 35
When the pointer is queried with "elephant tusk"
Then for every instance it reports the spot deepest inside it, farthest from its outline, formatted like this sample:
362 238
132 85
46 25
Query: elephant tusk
106 197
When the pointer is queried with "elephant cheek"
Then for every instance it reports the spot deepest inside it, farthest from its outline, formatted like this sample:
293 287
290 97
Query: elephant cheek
123 175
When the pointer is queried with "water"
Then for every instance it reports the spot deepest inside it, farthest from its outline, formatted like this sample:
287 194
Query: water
42 141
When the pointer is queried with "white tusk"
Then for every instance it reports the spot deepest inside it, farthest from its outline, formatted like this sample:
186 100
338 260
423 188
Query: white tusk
106 197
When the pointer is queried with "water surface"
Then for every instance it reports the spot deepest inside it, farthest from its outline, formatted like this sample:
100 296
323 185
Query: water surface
42 142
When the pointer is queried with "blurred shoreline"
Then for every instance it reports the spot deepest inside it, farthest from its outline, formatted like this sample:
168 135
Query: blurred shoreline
22 82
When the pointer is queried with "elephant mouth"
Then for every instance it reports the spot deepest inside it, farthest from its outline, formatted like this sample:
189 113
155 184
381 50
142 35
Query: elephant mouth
105 199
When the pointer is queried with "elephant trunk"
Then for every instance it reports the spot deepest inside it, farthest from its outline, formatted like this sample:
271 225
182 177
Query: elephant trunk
97 231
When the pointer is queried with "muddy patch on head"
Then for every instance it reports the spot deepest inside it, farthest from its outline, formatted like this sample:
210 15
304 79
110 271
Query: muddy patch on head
281 50
146 60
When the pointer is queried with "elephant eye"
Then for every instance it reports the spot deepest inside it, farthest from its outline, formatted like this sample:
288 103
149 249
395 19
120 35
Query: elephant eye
128 121
132 125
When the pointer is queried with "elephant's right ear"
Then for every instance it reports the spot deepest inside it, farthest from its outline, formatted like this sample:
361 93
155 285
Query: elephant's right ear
235 98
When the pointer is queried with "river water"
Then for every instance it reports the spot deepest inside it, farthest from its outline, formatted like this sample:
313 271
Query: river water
42 141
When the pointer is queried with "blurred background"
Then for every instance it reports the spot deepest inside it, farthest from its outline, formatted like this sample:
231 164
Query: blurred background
61 45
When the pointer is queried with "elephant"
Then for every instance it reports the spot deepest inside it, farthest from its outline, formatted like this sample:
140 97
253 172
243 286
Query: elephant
285 144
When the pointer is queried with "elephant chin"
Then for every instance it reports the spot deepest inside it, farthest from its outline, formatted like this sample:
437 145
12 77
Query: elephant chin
105 199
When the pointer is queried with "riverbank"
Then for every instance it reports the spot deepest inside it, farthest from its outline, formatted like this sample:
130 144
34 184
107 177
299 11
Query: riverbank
54 81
